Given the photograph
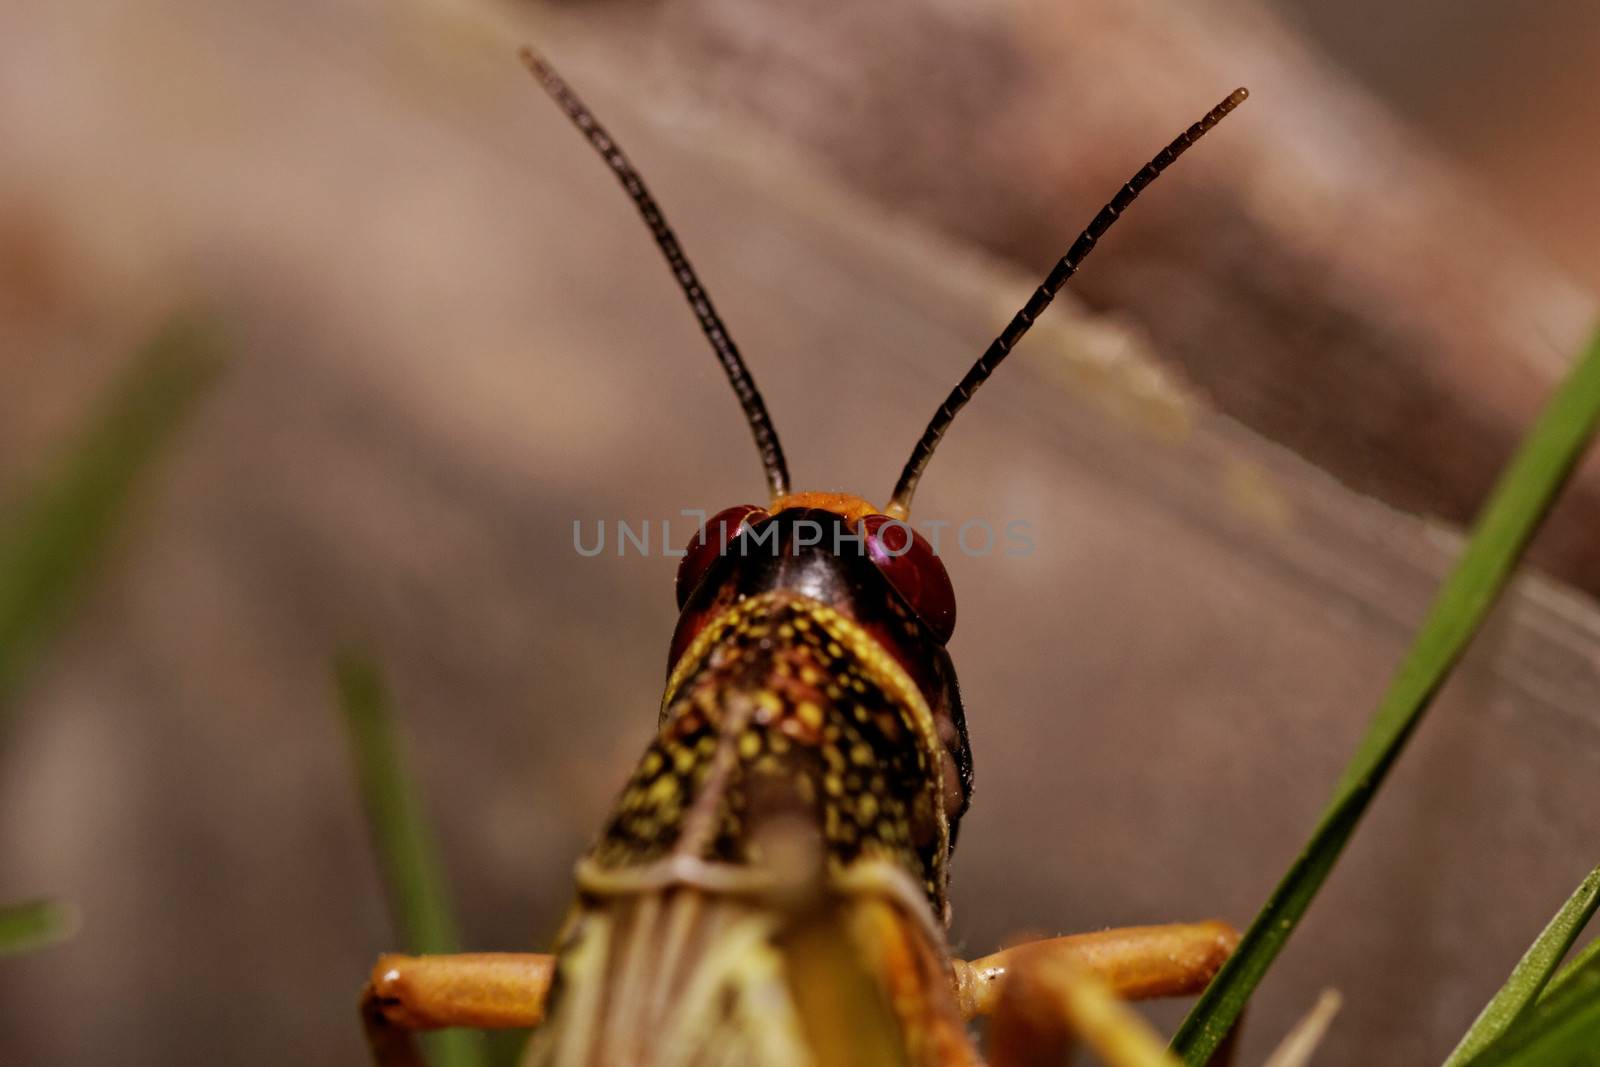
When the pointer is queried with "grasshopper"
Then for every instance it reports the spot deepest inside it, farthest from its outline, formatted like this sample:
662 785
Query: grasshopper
771 888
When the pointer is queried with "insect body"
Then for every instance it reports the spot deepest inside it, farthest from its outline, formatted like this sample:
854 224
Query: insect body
800 766
771 888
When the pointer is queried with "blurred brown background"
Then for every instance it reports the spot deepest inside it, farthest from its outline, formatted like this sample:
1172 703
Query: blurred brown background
1241 443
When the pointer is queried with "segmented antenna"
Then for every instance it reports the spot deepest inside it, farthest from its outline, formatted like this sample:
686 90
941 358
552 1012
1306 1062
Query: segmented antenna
744 386
900 504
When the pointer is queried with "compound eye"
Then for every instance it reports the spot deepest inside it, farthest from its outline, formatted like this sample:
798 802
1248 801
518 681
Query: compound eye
915 571
711 543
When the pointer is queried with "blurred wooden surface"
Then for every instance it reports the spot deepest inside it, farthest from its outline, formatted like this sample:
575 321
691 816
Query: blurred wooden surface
1519 129
454 340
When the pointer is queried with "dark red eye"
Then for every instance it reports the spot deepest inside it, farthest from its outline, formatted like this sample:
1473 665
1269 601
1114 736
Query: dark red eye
915 571
711 542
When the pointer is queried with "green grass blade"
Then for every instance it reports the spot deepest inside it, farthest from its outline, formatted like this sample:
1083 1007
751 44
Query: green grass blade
1520 499
1562 1028
405 849
505 1048
1531 974
406 855
1581 959
51 540
35 924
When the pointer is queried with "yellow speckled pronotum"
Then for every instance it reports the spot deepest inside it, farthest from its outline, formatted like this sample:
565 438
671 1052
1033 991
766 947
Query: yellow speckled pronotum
770 889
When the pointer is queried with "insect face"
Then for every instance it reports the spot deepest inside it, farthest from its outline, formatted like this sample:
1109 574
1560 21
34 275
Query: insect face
913 569
874 571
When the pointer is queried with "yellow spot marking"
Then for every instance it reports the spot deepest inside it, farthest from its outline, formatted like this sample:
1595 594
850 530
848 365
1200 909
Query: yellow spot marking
810 714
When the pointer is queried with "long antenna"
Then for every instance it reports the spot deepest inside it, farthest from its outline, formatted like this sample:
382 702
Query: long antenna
900 504
744 386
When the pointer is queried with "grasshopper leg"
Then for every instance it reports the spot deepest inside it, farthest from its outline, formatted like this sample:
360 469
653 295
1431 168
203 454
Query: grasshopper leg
1042 994
1138 962
487 991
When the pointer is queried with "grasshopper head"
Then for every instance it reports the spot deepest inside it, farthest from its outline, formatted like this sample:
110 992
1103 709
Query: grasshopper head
844 554
839 523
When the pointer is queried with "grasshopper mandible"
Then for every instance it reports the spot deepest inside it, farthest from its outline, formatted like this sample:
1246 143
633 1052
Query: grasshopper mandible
770 889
